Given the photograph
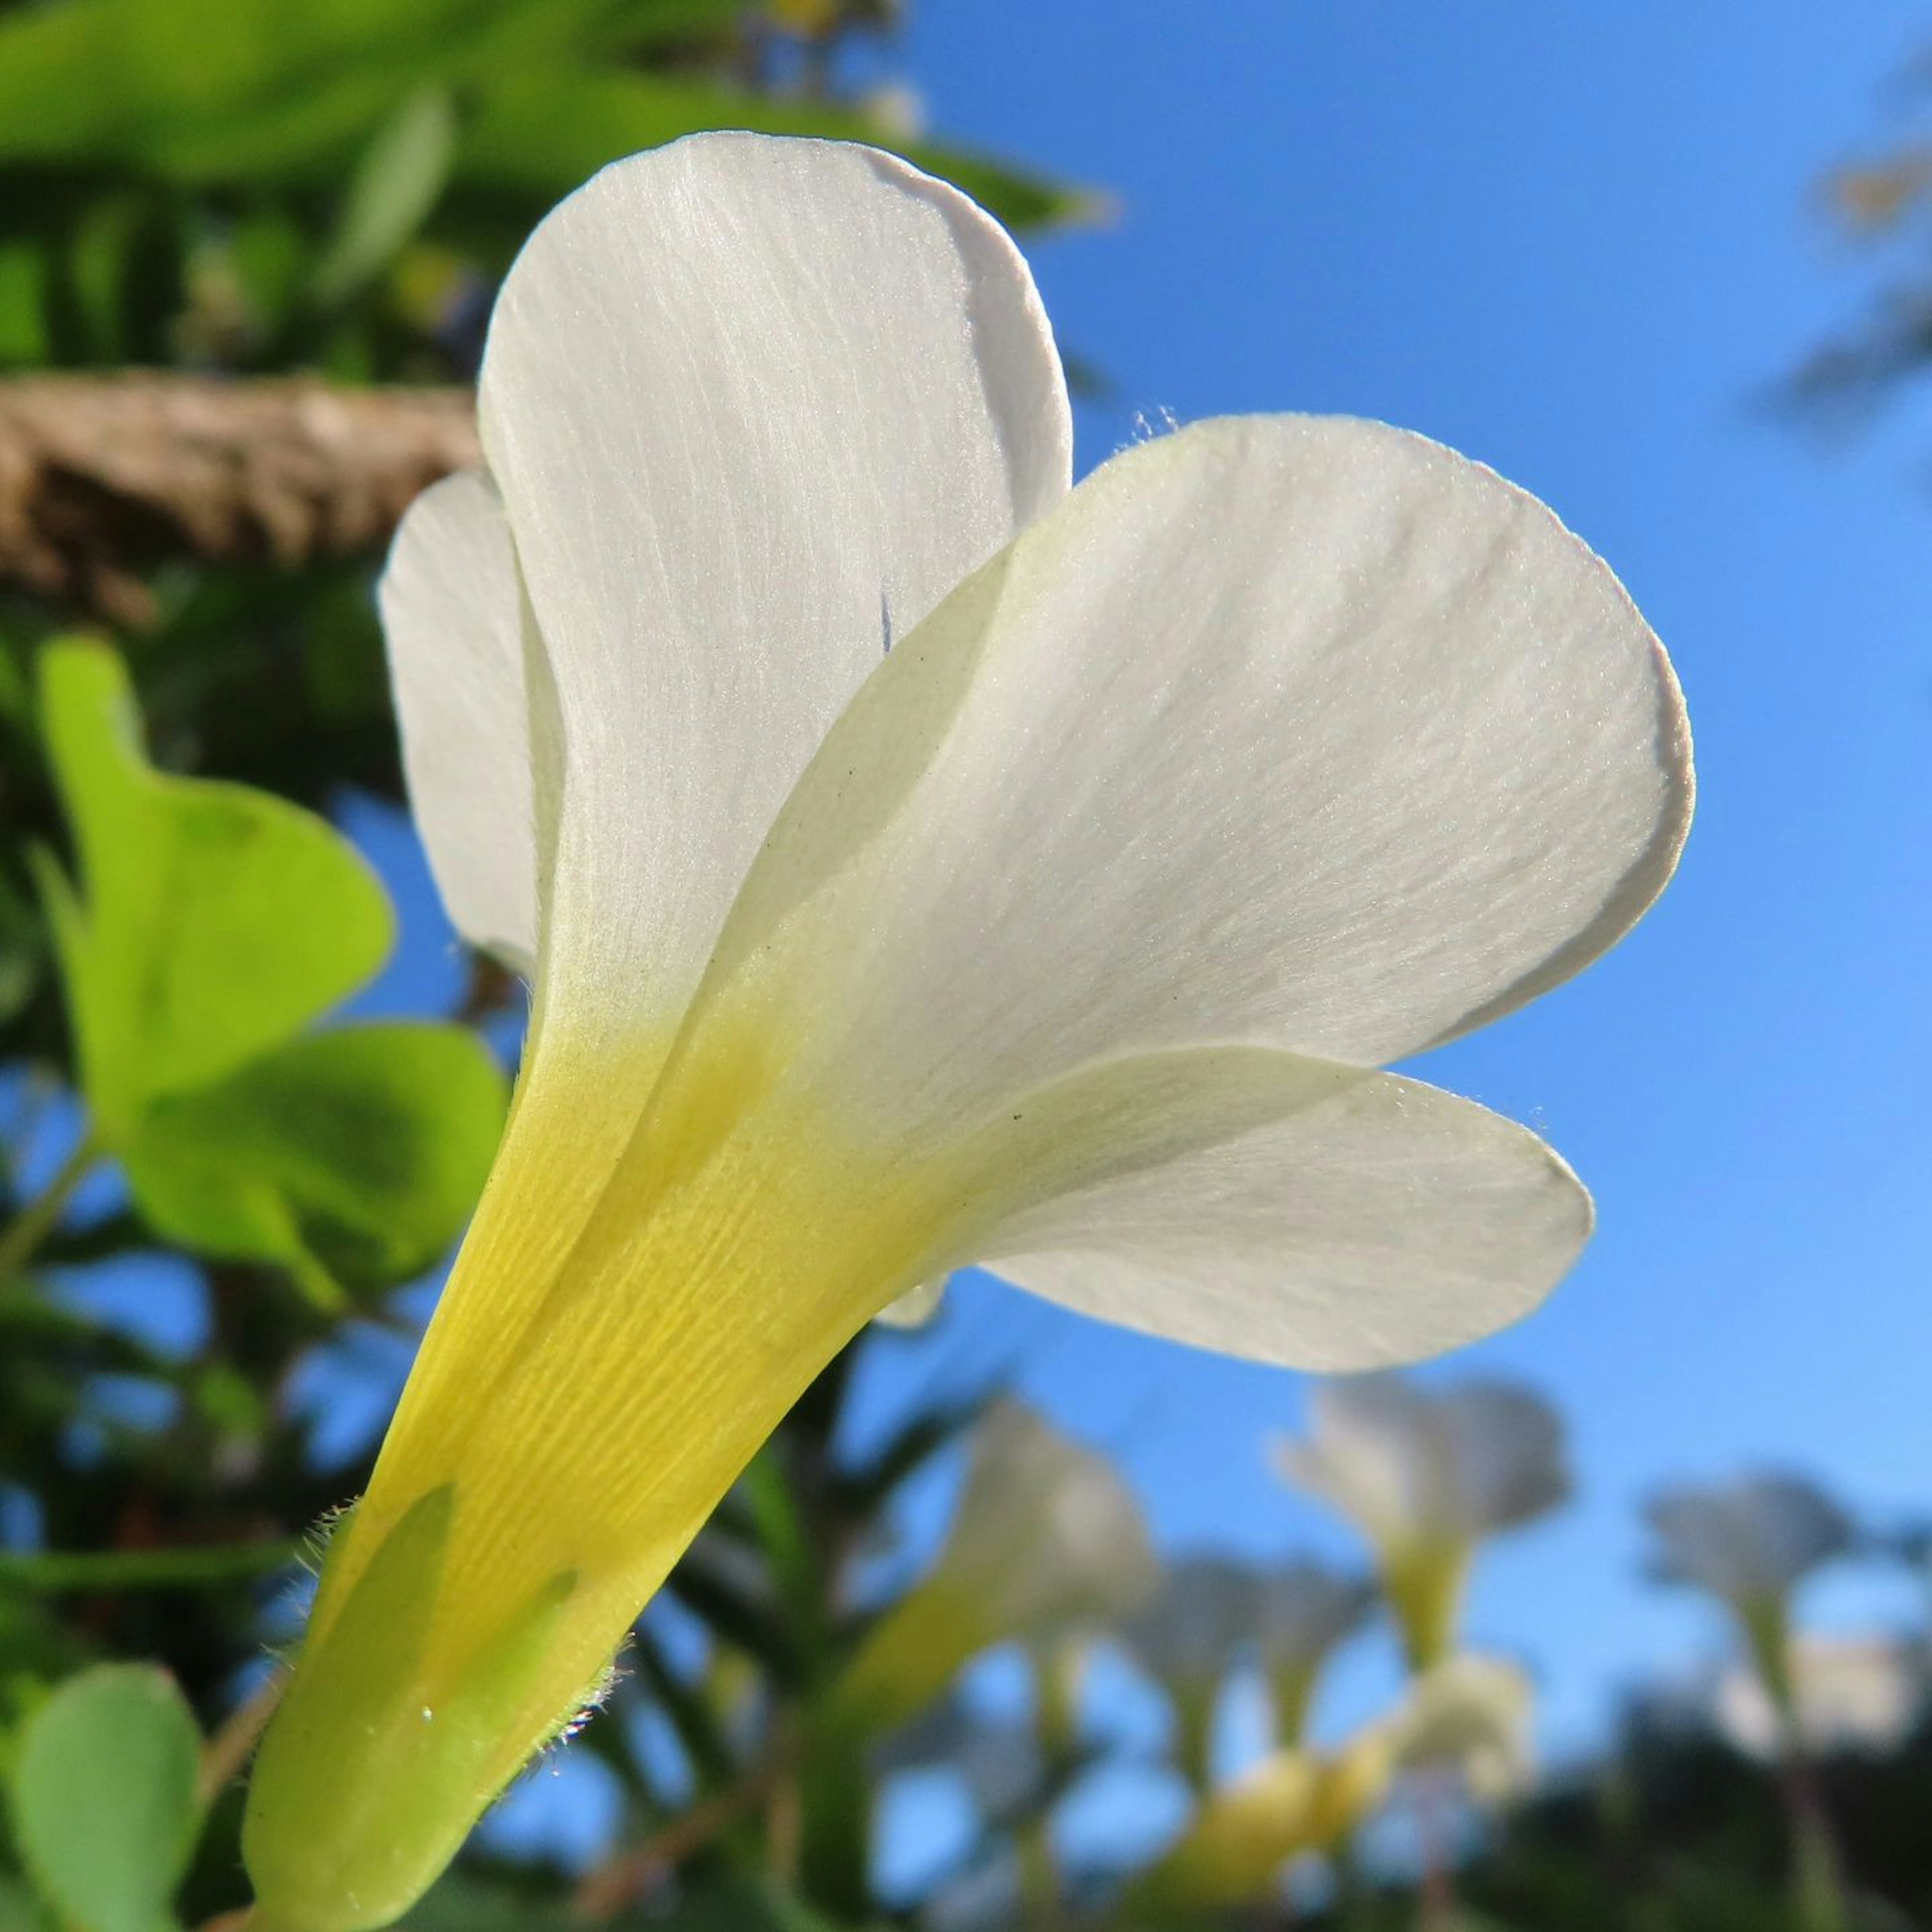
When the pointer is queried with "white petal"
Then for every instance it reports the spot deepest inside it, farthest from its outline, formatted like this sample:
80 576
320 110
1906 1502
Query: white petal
1374 1220
1472 1712
1046 1533
755 405
1758 1537
1304 1609
1375 1451
1203 1612
452 612
1297 731
915 1309
1506 1443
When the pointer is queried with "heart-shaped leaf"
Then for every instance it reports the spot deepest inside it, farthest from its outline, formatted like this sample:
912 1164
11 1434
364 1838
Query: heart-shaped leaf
105 1807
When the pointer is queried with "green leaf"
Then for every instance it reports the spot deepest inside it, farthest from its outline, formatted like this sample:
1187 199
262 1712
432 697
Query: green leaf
191 1567
105 1805
18 1911
542 131
23 288
462 1903
351 1157
740 1905
397 183
217 921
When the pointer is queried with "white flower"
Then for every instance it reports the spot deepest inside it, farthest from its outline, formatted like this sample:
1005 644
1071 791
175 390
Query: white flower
1203 1612
1426 1477
1470 1714
1304 1611
1862 1693
1751 1540
919 865
1750 1544
1046 1540
1187 1638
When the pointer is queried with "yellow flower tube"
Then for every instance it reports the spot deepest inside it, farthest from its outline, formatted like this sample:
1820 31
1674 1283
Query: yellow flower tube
919 864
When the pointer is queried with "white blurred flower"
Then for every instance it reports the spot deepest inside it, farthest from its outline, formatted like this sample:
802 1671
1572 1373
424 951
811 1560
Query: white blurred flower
1757 1537
1426 1476
1303 1612
1243 1833
1859 1694
1046 1539
1750 1544
1186 1637
1203 1612
897 108
1471 1714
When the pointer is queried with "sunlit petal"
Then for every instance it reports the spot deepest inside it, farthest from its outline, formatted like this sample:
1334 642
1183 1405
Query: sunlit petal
1374 1220
1297 731
452 612
754 406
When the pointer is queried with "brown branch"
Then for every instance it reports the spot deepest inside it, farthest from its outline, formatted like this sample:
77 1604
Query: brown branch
104 478
631 1876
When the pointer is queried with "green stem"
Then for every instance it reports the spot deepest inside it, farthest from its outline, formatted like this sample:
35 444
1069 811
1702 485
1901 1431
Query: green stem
1434 1809
835 1818
1039 1876
1817 1888
41 1217
186 1567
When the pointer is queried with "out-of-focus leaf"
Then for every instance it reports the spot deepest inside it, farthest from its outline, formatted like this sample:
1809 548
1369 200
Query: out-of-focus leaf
18 1911
700 1735
631 26
105 1806
202 90
741 1905
22 951
906 1451
395 185
269 255
23 285
51 1572
351 1157
712 1592
784 1537
539 134
462 1903
217 921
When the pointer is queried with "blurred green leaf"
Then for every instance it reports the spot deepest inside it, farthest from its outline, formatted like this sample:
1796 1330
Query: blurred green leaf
745 1906
924 1435
52 1572
18 1911
105 1805
23 280
217 921
351 1157
395 185
541 132
462 1903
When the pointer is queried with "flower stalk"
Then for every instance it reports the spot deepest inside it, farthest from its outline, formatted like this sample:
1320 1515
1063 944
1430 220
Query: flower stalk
21 1240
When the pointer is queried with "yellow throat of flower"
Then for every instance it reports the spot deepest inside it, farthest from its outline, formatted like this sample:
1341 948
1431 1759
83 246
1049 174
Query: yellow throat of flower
617 1339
